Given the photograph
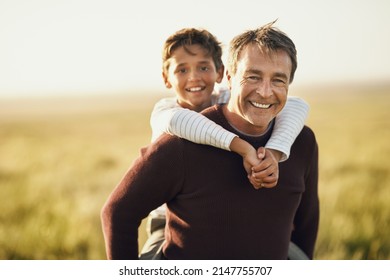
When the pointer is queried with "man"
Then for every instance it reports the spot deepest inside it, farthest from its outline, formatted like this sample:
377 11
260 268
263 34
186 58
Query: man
212 210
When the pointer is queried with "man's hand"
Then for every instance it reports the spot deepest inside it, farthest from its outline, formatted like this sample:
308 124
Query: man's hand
266 173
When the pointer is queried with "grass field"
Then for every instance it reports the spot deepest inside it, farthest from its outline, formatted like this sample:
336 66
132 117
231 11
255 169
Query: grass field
61 157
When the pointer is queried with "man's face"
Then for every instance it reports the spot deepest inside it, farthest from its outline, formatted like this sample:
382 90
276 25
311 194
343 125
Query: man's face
258 89
192 77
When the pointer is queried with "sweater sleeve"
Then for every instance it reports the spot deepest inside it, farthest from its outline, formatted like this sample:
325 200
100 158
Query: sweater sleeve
149 183
288 124
190 125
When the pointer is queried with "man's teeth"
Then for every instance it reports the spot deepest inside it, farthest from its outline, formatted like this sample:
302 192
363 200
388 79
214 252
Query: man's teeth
195 89
262 106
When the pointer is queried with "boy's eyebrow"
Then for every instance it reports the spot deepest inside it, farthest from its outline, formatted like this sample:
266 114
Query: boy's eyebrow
181 64
200 62
205 62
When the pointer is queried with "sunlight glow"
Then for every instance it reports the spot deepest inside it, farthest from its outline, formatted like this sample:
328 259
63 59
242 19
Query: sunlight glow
72 46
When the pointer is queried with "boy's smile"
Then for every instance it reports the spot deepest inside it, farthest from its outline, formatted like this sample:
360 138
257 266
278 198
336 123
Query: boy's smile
196 89
192 74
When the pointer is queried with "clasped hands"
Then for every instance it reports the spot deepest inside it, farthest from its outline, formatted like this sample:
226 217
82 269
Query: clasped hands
262 167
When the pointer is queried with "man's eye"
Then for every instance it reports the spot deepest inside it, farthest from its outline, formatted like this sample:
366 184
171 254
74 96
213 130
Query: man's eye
204 68
253 78
279 82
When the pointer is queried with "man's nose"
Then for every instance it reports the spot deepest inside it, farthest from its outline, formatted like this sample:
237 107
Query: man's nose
264 89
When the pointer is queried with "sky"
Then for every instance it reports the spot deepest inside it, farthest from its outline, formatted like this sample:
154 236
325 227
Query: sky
56 47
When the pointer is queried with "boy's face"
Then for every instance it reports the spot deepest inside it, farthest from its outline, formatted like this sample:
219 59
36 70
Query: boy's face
192 77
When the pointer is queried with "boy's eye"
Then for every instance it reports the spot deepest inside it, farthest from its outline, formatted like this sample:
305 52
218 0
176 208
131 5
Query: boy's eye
182 70
204 68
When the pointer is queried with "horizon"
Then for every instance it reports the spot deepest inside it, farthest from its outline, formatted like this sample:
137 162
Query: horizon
151 93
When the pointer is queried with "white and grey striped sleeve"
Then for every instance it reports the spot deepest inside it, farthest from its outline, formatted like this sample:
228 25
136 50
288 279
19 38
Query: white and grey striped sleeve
197 128
288 124
162 115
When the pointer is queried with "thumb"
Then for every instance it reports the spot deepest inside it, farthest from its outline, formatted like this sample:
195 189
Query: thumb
261 153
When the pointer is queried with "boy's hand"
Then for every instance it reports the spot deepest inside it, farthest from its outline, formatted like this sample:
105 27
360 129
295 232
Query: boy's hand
250 159
266 173
248 153
261 165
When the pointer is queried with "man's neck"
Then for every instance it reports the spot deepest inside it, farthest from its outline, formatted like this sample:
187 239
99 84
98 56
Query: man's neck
242 125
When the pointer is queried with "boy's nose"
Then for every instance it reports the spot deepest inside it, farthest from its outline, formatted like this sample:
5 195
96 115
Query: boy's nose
193 76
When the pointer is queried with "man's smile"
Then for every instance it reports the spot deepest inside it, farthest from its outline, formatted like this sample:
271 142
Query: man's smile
260 105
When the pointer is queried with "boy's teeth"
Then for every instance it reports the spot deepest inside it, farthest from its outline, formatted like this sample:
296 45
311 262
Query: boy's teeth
195 89
259 105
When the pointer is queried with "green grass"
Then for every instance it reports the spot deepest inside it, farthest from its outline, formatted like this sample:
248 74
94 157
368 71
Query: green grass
60 159
353 132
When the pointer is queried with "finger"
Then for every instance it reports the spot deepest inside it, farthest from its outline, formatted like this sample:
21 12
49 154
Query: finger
261 153
269 185
262 165
269 181
254 183
265 173
264 185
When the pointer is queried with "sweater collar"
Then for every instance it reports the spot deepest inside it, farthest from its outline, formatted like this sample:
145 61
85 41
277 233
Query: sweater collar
256 140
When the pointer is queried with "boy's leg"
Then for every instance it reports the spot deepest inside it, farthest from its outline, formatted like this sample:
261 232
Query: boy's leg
152 247
295 253
155 229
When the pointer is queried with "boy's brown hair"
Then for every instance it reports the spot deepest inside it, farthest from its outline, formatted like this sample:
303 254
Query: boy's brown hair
191 36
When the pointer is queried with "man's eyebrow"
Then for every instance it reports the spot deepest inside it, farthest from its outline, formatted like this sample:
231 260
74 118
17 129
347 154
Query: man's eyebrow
281 75
253 71
259 72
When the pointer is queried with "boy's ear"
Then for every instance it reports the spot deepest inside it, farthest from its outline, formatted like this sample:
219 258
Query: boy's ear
220 74
166 82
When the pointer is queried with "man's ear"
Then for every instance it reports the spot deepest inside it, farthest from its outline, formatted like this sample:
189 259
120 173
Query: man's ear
166 81
220 74
229 79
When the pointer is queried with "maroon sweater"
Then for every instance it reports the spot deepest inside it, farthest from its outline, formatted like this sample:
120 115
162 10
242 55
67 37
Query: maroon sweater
213 211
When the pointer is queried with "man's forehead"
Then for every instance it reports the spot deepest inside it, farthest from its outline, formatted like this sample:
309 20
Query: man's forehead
257 50
252 54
